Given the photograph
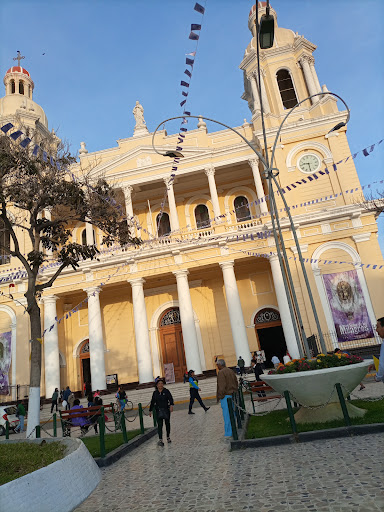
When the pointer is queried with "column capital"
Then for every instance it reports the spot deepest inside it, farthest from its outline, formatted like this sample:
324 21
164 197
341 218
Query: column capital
209 170
168 182
127 189
181 273
306 58
49 299
227 264
316 271
251 76
273 258
139 281
254 161
93 290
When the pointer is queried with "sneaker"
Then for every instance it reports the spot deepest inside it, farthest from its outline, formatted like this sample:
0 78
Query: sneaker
169 440
206 409
190 412
160 443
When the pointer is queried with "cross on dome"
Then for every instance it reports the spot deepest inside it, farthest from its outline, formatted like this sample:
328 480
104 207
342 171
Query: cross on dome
19 57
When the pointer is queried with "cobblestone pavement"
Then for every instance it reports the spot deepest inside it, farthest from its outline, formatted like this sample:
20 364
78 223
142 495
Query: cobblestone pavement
198 473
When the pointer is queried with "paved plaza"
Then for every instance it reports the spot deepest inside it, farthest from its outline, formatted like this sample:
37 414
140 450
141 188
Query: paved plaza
198 473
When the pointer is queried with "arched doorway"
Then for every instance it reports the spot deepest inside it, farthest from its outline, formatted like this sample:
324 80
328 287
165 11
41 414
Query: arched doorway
270 334
85 364
171 340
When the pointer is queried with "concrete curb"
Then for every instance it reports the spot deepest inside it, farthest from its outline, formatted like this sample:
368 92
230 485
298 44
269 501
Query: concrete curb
122 450
304 437
61 486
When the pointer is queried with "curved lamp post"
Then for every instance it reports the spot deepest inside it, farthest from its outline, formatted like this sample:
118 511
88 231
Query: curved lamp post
270 174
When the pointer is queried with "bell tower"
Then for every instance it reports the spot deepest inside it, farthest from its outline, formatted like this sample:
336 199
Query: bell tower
287 76
17 106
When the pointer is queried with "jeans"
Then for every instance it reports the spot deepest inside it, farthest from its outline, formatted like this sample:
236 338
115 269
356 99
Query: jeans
227 421
20 426
122 404
160 427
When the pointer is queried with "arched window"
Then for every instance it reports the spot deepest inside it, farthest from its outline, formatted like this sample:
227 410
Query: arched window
13 88
202 217
21 87
5 244
287 91
163 225
242 209
84 237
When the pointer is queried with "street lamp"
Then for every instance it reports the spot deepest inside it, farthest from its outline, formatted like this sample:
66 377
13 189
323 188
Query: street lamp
270 174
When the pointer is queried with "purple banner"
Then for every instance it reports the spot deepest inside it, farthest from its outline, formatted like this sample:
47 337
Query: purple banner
5 362
347 304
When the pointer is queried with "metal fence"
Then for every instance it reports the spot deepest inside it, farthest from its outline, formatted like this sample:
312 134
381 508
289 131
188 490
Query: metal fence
365 347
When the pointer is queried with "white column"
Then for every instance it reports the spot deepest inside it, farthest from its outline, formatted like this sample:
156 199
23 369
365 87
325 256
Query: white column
89 233
282 301
51 346
157 370
266 106
96 340
239 333
254 163
191 345
255 93
304 61
174 219
129 208
314 75
13 360
143 347
210 172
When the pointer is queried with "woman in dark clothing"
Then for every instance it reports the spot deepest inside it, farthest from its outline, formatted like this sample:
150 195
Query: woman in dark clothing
162 402
258 369
194 392
55 397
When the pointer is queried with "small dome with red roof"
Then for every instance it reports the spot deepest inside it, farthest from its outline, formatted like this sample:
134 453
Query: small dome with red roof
18 69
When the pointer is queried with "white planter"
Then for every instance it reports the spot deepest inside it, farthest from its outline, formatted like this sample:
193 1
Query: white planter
314 388
59 487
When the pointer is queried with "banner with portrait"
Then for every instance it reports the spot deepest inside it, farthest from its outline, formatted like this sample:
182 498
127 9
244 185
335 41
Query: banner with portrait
347 304
5 362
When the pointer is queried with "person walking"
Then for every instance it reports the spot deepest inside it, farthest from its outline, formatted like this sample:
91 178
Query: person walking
226 385
66 394
21 415
194 392
162 402
241 365
55 397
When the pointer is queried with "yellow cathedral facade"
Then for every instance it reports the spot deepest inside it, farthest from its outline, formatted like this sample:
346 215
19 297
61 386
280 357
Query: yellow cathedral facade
206 282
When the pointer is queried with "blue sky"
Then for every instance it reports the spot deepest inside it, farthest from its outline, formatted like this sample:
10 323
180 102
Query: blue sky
101 56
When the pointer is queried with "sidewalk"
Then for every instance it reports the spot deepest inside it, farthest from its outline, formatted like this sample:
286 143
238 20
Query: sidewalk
198 473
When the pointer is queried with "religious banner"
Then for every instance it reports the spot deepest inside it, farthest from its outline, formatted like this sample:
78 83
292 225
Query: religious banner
5 362
347 304
169 373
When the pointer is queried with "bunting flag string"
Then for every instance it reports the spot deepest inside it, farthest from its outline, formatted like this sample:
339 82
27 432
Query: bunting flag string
189 61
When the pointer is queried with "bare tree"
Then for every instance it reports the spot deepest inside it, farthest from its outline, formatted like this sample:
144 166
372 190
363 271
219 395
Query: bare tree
31 185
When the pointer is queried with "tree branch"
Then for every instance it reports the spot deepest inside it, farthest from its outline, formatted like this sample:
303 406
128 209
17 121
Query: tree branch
48 284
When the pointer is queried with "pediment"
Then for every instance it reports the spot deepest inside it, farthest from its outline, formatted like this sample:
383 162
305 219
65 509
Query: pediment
144 157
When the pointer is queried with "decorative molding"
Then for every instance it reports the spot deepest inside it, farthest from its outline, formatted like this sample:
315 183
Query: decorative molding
301 146
361 237
303 248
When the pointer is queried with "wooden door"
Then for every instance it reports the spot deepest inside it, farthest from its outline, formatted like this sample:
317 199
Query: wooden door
173 349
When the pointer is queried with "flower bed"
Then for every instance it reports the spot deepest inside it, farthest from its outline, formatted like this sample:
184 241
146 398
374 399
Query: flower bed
320 362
